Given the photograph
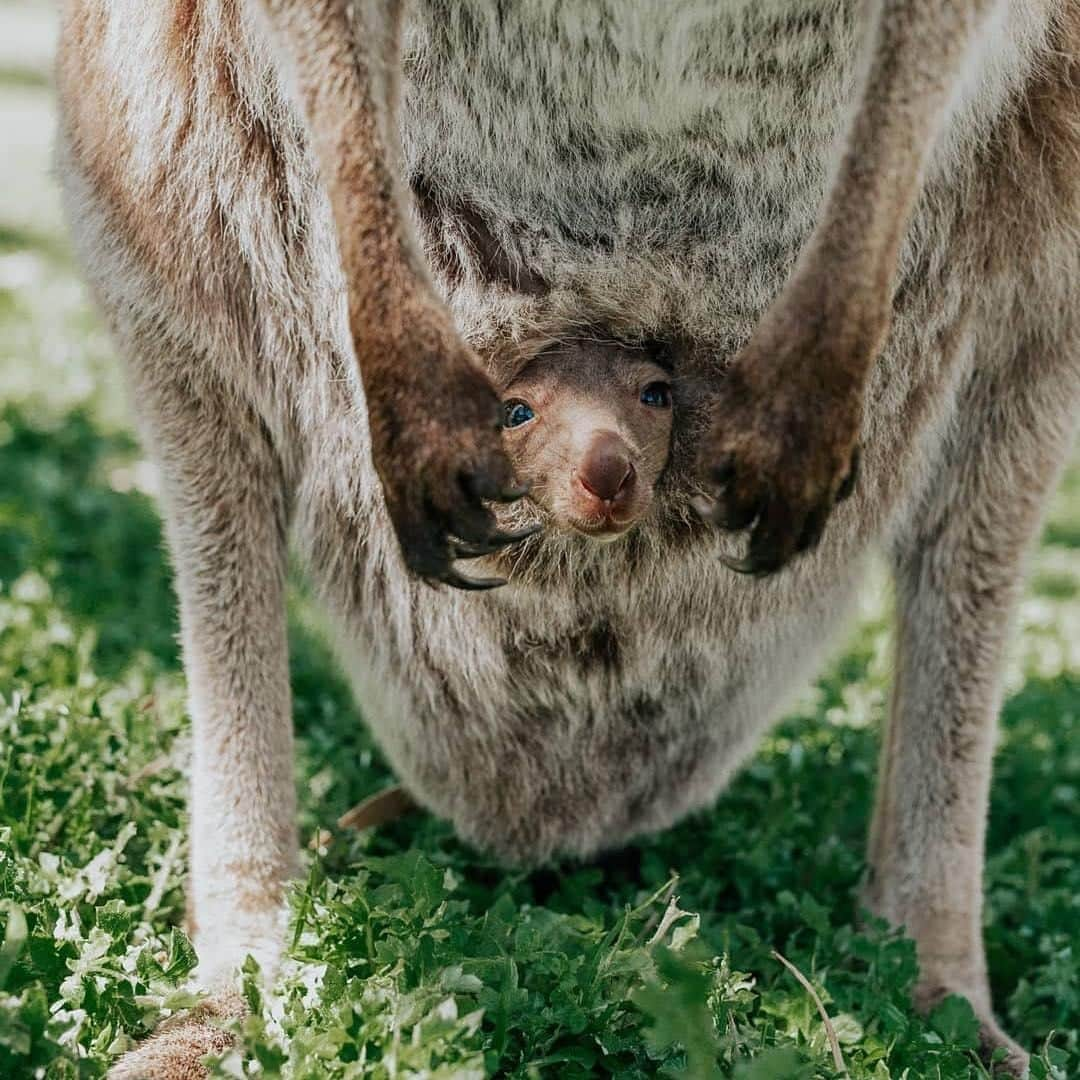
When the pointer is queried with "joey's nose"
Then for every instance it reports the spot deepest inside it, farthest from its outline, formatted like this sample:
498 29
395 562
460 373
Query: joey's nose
606 470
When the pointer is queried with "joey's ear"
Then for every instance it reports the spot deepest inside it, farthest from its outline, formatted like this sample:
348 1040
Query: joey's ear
664 354
506 364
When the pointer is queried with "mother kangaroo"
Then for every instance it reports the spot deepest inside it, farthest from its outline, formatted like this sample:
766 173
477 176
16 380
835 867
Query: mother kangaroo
328 236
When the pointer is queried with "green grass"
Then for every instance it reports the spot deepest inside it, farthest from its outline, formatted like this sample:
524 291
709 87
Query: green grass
411 955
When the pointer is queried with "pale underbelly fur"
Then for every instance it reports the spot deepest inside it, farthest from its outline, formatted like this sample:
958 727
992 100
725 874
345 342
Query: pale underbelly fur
657 164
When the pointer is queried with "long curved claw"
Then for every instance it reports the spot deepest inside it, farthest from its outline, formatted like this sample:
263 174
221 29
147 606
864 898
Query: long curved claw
505 539
461 550
754 565
812 529
496 542
783 523
468 584
704 507
740 566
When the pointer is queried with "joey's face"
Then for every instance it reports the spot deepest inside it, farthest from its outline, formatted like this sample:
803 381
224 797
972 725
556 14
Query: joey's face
589 428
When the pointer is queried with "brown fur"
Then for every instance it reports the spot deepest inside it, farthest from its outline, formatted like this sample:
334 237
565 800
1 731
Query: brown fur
405 337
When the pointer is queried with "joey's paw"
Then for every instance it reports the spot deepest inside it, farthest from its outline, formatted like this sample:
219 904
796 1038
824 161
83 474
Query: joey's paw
175 1051
437 446
781 453
1001 1055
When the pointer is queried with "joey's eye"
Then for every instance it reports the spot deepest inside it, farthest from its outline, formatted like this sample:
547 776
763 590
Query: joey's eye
657 395
516 413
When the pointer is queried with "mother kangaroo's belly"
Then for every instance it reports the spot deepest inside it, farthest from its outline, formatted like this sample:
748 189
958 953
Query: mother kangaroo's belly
561 721
596 135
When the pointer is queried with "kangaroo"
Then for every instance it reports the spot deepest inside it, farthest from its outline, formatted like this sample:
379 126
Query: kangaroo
346 249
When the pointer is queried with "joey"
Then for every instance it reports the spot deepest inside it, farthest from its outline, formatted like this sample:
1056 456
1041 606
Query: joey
588 426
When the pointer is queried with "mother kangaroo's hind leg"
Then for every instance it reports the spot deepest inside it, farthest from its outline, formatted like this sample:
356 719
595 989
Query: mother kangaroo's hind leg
225 517
958 568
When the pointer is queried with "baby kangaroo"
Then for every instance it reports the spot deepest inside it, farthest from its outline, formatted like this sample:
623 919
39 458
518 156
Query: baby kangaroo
681 266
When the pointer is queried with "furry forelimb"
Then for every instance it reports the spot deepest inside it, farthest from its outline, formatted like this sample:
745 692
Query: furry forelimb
436 476
783 448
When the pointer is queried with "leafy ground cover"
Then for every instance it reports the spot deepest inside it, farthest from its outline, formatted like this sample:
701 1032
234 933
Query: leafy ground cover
412 956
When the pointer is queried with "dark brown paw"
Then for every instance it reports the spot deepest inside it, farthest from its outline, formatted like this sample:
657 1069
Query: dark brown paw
437 446
781 454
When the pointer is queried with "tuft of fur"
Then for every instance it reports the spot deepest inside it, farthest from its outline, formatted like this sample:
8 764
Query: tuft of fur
175 1051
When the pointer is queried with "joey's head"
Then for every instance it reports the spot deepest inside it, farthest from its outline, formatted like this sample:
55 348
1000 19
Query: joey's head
588 426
